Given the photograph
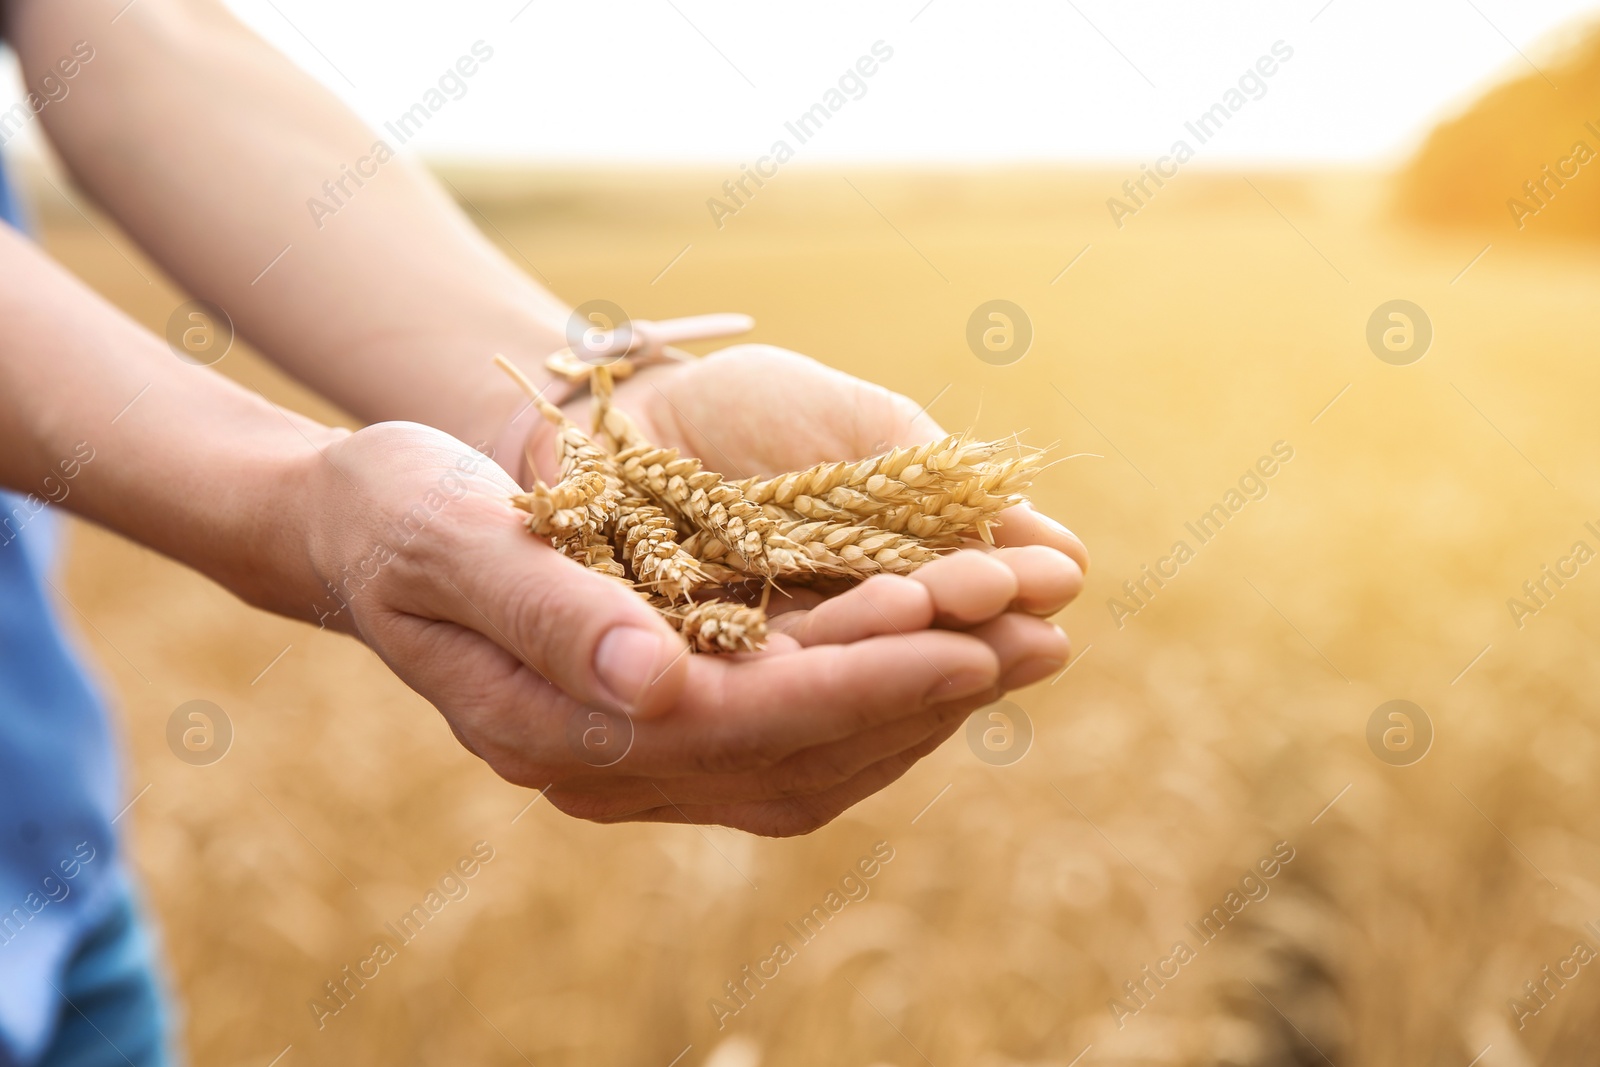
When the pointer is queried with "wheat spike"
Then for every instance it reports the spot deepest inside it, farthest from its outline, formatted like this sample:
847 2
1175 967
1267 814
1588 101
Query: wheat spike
893 478
583 464
716 559
719 625
821 550
555 511
593 551
698 496
648 538
858 551
784 559
940 516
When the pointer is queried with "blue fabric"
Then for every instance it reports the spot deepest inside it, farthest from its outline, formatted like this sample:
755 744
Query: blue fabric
111 1006
59 790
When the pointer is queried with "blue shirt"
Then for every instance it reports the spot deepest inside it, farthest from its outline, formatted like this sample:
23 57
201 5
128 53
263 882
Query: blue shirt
59 789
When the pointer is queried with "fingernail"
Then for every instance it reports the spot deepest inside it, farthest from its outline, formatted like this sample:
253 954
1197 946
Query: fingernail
1056 526
958 685
1031 670
1083 562
628 662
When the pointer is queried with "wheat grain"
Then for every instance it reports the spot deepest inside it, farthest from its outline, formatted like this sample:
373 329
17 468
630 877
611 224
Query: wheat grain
648 538
718 625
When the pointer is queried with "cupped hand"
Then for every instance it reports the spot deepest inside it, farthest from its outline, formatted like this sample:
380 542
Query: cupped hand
853 688
520 649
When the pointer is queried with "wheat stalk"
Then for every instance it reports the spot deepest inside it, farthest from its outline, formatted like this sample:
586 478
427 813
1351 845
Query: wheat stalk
612 425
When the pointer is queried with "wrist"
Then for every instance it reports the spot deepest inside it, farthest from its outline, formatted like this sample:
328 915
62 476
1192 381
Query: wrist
284 527
510 425
495 415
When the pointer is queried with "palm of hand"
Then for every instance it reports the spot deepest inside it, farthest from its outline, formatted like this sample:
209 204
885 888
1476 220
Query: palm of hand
753 410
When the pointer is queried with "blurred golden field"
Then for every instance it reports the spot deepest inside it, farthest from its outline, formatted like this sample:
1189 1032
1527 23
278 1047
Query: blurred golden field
1228 715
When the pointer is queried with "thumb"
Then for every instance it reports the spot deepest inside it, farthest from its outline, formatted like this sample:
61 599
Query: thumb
585 632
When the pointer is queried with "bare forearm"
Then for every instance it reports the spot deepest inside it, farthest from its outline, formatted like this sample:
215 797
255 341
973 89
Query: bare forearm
210 149
96 415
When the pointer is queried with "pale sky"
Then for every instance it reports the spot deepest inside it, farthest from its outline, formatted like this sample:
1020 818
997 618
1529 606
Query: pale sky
969 81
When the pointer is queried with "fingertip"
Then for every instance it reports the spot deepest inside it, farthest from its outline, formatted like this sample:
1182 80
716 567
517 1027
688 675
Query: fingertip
640 665
883 604
1047 579
968 587
778 644
1024 525
1027 648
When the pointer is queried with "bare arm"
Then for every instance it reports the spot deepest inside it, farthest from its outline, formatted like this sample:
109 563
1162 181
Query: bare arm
208 146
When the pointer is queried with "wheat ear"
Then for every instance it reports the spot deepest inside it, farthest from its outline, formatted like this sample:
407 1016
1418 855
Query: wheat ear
942 516
593 551
822 550
857 551
555 511
698 496
649 540
896 477
718 625
588 539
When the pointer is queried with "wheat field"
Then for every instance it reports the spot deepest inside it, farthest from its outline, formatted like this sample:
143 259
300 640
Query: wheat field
1213 729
